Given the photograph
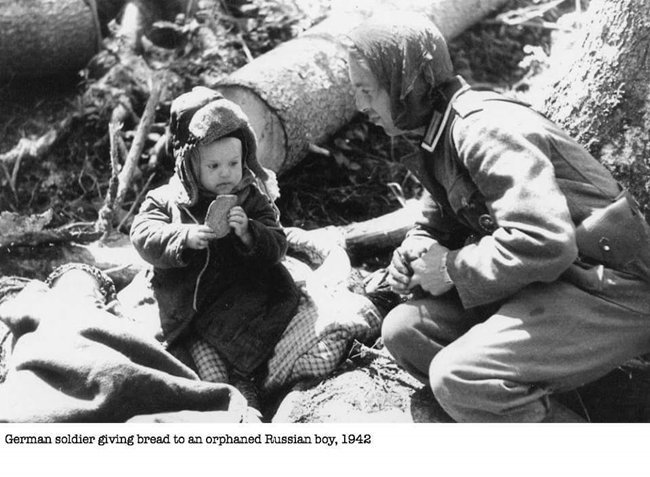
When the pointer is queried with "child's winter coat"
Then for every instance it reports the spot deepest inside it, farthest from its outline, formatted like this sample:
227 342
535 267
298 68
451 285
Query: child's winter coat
237 299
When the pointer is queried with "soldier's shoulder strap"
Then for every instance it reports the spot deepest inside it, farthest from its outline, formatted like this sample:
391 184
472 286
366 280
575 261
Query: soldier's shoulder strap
472 101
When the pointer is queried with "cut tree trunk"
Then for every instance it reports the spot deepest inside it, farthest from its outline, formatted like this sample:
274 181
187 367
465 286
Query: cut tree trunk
368 238
45 37
603 97
299 93
603 100
49 37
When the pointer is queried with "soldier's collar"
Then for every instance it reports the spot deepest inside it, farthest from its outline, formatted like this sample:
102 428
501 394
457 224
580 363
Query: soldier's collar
449 91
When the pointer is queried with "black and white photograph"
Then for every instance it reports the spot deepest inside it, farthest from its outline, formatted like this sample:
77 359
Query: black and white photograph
346 235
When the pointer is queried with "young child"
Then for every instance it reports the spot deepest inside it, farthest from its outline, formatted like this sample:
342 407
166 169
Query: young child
228 298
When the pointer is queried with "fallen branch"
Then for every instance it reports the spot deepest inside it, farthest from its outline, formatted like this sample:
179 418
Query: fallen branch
35 148
388 231
29 231
543 25
136 202
523 16
131 161
121 181
48 237
104 222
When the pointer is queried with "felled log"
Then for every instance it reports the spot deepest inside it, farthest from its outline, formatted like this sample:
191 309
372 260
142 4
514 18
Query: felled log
299 93
50 37
45 37
381 233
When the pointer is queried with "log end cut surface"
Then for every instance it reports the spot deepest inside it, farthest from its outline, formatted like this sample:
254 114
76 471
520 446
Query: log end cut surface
271 139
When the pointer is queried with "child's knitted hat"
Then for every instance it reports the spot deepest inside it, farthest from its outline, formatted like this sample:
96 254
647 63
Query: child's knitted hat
203 116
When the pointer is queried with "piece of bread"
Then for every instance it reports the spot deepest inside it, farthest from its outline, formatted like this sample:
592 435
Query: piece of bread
217 216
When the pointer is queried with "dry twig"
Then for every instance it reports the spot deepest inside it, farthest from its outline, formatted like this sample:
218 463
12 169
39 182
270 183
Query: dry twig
526 14
35 148
104 222
136 202
121 181
131 162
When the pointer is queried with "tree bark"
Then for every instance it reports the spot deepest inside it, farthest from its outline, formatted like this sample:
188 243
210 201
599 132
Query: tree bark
45 37
603 97
50 37
363 239
299 93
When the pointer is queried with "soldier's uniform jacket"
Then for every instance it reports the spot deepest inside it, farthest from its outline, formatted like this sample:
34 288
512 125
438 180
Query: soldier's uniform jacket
507 199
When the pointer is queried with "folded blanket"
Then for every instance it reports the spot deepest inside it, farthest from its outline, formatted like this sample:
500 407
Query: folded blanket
74 362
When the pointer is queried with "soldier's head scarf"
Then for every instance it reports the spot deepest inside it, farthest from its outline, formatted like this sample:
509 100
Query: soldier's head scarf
408 56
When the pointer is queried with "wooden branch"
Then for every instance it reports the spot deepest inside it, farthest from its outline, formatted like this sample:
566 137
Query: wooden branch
136 202
131 161
388 231
543 25
48 237
36 148
7 175
524 15
104 222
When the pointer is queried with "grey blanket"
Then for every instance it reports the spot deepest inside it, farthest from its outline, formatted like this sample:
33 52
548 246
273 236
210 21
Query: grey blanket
77 363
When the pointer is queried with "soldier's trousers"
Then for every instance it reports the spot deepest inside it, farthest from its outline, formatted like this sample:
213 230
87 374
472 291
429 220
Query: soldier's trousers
501 362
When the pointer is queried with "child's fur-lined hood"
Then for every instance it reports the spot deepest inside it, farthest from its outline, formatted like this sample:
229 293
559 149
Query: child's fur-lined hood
203 116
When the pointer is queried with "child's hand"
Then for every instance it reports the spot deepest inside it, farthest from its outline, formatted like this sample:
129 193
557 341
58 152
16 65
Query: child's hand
198 236
238 220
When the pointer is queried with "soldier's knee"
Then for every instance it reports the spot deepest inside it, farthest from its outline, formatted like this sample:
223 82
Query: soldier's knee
459 391
445 384
469 391
397 329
